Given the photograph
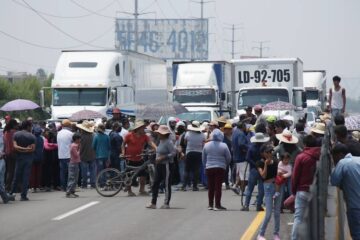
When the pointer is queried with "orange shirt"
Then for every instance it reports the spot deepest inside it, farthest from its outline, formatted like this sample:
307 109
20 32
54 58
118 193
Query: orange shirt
135 145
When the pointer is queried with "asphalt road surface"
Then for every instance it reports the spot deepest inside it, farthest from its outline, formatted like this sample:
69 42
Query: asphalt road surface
49 215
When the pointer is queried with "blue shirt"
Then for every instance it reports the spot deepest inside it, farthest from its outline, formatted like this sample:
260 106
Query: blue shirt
101 145
346 176
239 145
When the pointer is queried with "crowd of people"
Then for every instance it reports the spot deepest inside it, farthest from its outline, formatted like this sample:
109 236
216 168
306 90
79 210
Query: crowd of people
255 150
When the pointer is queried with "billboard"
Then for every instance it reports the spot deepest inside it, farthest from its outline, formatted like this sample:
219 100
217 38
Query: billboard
174 39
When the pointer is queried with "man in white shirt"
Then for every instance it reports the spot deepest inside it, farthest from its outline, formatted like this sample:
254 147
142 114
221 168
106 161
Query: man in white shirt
337 98
64 138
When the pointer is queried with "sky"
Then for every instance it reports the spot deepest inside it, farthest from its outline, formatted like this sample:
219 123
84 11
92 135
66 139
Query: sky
324 34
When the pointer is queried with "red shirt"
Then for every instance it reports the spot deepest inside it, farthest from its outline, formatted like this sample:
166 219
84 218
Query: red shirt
8 141
74 153
135 145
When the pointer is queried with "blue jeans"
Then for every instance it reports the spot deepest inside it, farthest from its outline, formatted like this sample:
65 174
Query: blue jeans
118 163
271 205
182 170
2 176
335 112
73 177
285 190
301 201
64 169
100 164
353 217
254 177
22 172
88 167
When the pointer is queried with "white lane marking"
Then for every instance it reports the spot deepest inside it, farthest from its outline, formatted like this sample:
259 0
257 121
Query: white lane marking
76 210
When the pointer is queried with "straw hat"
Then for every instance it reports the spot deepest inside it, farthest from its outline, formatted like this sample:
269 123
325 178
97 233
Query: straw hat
356 135
163 130
259 138
86 126
214 123
222 119
66 123
138 124
195 126
287 137
325 116
228 126
318 128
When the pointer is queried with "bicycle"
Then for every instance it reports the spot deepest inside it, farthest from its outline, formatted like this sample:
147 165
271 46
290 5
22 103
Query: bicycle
111 181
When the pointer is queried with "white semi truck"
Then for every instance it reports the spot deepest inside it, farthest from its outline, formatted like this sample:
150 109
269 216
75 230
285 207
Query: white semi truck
315 88
202 88
100 80
265 80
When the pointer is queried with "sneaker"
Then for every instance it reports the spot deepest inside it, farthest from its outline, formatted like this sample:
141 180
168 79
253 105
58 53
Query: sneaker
70 195
210 208
259 237
131 194
277 194
245 209
165 206
11 197
219 208
24 199
75 194
276 237
151 206
183 189
260 209
236 190
195 189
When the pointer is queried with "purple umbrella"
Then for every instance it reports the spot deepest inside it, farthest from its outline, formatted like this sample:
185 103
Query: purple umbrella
278 106
19 105
85 114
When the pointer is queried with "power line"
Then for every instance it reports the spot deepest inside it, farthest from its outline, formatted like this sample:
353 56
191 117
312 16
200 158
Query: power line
162 12
90 11
149 6
67 17
173 8
261 47
59 29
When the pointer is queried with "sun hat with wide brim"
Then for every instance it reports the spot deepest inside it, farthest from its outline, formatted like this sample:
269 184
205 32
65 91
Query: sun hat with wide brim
319 128
163 130
222 119
214 123
195 127
287 137
259 138
356 135
324 117
86 126
228 126
66 123
138 124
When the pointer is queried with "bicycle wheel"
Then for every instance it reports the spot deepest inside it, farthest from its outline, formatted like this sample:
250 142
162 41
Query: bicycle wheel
109 182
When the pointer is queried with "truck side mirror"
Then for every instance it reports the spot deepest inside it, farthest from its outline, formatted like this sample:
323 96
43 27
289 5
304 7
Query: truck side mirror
42 99
222 96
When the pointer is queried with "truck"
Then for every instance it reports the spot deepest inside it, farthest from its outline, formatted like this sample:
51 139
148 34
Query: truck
315 88
265 80
202 87
100 80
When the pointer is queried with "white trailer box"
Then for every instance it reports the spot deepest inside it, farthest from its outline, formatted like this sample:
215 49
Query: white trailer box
315 88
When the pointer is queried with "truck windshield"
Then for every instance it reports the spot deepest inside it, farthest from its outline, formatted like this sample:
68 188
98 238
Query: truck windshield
79 96
198 116
312 95
252 97
194 95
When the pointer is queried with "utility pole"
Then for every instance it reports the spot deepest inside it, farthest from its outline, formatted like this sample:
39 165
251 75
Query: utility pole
233 28
136 15
261 47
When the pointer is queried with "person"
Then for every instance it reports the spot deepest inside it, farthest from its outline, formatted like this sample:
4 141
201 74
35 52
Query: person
260 118
239 146
4 196
133 145
116 117
115 147
280 126
35 177
165 153
74 163
283 173
87 154
268 170
341 134
215 157
101 146
318 131
337 98
346 176
227 129
50 173
301 179
181 149
300 133
221 122
194 140
287 143
9 131
24 145
64 138
171 123
250 118
252 157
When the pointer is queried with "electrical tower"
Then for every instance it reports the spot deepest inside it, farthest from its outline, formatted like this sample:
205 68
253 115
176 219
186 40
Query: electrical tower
261 47
233 28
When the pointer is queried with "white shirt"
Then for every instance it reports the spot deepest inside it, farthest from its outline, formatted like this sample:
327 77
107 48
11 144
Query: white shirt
336 98
195 141
123 132
64 139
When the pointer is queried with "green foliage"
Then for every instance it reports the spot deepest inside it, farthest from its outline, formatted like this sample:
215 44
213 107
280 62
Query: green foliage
29 89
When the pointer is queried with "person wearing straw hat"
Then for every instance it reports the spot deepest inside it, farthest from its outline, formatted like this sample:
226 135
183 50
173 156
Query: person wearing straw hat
133 145
87 154
318 131
165 153
356 135
221 121
253 155
194 140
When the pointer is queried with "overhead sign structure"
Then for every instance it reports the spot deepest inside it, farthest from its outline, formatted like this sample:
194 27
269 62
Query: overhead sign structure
165 38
